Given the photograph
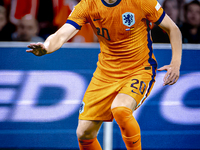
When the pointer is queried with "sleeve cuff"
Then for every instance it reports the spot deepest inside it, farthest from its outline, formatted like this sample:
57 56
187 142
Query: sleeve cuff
160 19
74 24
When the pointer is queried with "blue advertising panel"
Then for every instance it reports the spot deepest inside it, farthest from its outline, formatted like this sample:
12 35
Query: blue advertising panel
40 99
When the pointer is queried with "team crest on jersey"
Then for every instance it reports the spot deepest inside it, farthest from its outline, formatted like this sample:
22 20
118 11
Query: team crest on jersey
128 19
81 110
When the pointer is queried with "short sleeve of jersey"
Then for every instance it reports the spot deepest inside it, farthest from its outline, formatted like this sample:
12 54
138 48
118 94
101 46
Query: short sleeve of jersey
153 11
79 15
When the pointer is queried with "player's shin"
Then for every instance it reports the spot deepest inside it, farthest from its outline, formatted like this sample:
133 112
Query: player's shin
129 127
91 144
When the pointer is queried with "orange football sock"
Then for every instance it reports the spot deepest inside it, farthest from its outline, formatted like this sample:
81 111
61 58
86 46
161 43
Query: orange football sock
91 144
129 127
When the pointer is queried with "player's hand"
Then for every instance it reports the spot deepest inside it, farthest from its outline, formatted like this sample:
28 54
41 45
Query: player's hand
37 49
172 75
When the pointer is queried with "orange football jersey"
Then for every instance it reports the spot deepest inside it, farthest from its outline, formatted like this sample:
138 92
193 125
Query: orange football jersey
123 33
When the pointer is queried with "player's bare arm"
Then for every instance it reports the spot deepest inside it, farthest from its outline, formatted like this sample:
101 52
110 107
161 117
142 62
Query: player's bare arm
54 41
173 69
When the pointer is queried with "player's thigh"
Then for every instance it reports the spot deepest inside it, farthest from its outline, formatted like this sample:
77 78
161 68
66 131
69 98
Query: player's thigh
124 100
88 129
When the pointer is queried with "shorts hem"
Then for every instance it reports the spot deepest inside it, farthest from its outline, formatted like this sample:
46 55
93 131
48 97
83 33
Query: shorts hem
96 119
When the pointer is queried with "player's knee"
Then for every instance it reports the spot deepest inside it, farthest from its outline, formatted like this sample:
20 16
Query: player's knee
123 115
81 134
85 134
118 114
88 129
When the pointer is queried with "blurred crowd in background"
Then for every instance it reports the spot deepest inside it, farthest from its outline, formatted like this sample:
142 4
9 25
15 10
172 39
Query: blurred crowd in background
35 20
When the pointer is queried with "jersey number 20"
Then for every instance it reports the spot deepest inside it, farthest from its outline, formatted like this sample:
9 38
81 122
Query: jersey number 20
104 33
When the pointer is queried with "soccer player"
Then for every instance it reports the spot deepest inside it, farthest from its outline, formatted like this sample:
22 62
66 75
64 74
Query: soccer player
126 68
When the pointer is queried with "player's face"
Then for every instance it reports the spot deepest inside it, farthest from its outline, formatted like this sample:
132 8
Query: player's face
193 15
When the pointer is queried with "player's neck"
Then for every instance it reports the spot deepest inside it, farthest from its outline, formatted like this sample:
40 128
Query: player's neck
110 1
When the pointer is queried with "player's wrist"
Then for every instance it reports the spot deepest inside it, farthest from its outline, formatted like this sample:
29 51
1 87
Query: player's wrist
176 62
46 47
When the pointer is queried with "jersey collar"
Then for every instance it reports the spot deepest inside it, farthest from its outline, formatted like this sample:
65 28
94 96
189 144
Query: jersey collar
111 5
